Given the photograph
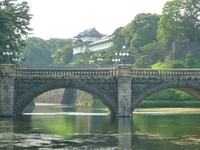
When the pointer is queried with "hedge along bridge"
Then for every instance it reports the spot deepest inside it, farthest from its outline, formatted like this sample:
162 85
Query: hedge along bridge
121 89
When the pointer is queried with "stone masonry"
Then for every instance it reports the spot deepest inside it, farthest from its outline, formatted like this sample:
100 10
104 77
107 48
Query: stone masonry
6 90
124 91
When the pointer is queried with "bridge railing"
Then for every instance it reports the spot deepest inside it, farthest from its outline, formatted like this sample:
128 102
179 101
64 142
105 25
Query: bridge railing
64 72
165 72
84 72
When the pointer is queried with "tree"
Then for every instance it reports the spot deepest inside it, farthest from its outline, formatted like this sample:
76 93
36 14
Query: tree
14 25
189 61
63 55
118 39
55 43
180 22
155 51
141 30
36 52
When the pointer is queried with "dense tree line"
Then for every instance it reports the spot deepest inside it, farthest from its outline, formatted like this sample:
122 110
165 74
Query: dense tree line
39 52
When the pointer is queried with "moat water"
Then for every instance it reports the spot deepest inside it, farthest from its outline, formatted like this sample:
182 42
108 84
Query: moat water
95 129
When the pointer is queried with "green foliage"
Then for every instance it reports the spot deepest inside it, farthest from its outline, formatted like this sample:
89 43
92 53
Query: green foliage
180 21
171 94
54 44
142 62
119 39
14 25
167 104
64 54
141 30
50 52
36 52
140 38
189 61
82 59
154 50
170 98
168 64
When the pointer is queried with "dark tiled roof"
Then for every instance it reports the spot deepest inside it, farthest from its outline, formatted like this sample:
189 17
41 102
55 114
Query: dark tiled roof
92 32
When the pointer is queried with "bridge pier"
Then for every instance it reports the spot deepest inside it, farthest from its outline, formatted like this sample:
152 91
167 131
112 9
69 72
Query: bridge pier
6 90
124 91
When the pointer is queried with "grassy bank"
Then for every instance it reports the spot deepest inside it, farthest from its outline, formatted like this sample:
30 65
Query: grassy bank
169 103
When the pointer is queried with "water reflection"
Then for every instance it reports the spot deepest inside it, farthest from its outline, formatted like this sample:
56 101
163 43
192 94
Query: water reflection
6 134
151 132
125 131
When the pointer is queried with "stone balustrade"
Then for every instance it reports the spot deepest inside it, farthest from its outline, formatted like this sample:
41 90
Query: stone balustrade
64 72
165 72
83 72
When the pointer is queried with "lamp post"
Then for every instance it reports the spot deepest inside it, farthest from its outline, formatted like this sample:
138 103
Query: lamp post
16 60
123 54
95 60
116 61
7 54
99 59
120 57
91 60
18 57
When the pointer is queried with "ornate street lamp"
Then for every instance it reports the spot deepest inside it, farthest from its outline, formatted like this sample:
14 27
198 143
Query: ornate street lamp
99 59
18 57
91 60
116 60
120 57
16 61
7 54
123 54
95 60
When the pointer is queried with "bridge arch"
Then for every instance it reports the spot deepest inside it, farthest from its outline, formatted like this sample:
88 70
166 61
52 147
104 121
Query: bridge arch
190 87
25 98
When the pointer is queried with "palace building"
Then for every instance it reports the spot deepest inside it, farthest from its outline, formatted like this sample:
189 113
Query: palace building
91 40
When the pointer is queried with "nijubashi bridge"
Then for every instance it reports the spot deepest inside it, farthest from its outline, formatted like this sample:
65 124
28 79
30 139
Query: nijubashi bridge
121 89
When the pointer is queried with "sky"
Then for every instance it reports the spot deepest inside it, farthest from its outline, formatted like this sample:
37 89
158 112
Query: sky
67 18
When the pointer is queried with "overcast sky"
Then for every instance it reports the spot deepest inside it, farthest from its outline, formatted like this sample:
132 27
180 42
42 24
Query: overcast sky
67 18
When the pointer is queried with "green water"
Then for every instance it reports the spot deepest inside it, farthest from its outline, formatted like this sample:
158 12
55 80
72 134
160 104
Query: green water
100 131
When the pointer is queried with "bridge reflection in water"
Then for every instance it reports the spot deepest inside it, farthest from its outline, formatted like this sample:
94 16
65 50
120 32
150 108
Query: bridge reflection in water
174 132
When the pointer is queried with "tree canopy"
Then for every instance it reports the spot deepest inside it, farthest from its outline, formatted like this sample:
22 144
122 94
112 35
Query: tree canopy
36 52
141 30
180 21
14 25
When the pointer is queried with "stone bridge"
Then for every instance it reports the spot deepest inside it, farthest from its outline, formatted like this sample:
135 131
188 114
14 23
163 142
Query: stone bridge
121 89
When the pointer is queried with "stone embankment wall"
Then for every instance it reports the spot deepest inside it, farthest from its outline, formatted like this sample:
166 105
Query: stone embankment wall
68 96
53 96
